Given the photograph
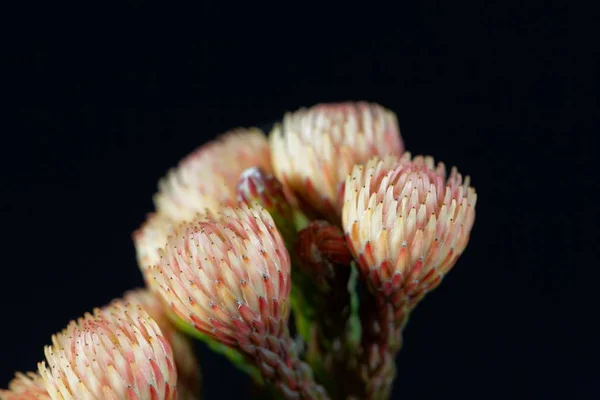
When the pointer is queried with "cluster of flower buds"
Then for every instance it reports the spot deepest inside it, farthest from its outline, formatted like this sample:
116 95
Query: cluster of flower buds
249 230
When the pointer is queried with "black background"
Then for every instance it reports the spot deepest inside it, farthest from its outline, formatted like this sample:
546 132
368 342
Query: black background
108 98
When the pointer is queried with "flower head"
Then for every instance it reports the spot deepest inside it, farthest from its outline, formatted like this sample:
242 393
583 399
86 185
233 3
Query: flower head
29 386
117 353
189 379
224 272
406 223
228 276
315 149
206 179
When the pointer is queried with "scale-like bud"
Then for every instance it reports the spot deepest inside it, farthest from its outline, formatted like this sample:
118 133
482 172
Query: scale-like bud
314 149
206 179
117 353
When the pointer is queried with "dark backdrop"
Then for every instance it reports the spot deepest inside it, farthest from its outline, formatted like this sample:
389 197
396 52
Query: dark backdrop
107 99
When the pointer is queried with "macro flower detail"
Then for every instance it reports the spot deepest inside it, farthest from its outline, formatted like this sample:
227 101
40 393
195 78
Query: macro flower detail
228 276
117 353
151 237
327 220
314 149
29 386
406 223
206 179
189 378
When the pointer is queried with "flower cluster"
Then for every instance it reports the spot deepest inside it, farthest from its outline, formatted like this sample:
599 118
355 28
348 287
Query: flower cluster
250 231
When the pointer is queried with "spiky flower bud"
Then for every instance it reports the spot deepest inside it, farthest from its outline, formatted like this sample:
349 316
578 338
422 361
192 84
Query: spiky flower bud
207 178
189 378
315 149
228 276
406 223
117 353
29 386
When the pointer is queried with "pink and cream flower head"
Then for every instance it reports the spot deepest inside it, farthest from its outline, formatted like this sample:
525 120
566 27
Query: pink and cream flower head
29 386
314 149
228 276
224 272
206 179
406 223
117 353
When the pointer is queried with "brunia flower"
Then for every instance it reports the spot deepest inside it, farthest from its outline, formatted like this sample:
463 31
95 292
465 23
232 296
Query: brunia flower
406 223
29 386
117 353
189 379
314 149
206 179
228 276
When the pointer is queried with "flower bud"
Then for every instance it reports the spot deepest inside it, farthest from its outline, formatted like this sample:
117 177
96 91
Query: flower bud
207 178
406 223
222 271
228 276
117 353
314 149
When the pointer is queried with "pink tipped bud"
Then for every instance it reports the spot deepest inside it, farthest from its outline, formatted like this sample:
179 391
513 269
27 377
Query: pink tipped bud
117 353
223 270
29 386
189 378
207 178
406 224
315 149
228 276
